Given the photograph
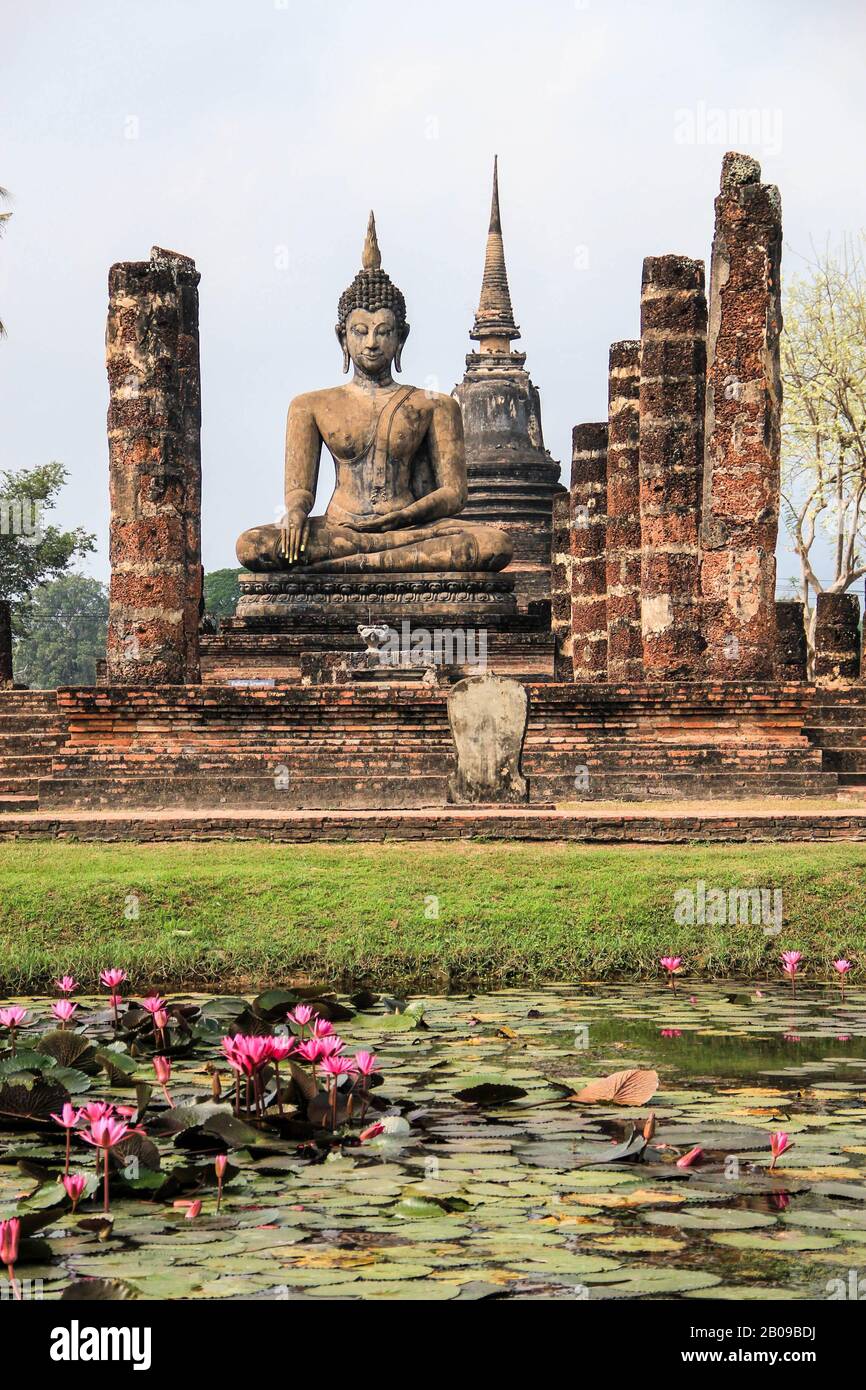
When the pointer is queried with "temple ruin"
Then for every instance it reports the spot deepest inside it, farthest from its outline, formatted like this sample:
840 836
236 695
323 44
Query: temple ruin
638 610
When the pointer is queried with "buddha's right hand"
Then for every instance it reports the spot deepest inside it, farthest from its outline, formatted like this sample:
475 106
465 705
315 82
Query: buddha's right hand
294 529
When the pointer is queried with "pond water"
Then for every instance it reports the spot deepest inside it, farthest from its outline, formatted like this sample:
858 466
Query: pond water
492 1182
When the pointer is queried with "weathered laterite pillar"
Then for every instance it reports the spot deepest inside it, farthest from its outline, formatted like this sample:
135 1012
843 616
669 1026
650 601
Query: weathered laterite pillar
740 519
561 565
154 439
672 394
837 637
588 574
791 647
624 642
5 642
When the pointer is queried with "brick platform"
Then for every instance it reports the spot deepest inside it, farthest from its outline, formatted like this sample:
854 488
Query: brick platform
386 747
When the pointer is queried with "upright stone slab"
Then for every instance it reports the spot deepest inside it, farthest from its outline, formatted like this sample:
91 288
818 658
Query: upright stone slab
154 438
672 394
792 651
561 565
5 642
744 400
588 540
624 641
488 717
837 637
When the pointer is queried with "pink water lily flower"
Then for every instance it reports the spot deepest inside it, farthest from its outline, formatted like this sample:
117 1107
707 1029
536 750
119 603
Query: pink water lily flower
162 1071
301 1015
112 978
105 1134
66 984
337 1066
322 1028
95 1110
671 964
12 1018
193 1210
311 1050
331 1045
220 1164
366 1063
162 1068
153 1004
791 965
10 1232
68 1117
691 1157
282 1046
779 1144
842 966
75 1185
64 1011
372 1131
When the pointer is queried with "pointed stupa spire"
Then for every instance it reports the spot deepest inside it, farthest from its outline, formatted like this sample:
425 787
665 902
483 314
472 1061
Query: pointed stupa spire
371 257
494 325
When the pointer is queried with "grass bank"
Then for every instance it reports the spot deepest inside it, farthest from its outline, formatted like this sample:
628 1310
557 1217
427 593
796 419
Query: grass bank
408 915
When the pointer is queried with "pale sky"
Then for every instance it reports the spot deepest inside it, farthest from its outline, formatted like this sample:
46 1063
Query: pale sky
254 135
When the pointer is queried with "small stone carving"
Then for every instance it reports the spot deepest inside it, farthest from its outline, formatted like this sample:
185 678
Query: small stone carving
488 717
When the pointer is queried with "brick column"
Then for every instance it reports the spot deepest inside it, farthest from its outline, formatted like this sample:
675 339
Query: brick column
588 575
154 426
624 642
837 637
672 390
740 520
791 647
5 642
561 566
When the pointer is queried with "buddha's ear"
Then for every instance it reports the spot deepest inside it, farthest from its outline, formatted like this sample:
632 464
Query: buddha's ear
398 355
341 339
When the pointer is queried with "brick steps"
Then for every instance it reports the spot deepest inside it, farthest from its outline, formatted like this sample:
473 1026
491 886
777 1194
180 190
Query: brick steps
782 821
364 791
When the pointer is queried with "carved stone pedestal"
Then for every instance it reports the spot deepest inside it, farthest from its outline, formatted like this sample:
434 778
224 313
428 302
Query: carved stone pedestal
344 600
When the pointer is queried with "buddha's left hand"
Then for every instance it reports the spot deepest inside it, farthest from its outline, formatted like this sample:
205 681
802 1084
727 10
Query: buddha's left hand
388 521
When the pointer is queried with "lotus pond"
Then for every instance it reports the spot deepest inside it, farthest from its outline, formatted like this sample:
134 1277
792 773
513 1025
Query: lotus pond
464 1167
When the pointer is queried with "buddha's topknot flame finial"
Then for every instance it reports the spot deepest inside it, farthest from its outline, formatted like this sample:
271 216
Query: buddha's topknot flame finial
372 256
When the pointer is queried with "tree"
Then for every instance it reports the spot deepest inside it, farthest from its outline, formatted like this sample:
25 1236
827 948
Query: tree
4 218
31 551
67 621
221 592
824 419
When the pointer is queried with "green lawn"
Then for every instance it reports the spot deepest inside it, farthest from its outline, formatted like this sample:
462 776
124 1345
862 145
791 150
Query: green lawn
231 915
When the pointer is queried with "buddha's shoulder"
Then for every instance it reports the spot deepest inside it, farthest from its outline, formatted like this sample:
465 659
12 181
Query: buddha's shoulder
310 401
437 402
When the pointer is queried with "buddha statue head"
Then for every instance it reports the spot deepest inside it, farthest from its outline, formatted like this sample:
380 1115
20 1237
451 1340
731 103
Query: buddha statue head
371 316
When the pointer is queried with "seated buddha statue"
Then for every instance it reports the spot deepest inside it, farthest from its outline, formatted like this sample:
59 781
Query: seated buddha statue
398 454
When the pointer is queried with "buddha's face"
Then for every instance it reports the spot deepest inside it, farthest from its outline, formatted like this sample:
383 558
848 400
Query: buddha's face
372 340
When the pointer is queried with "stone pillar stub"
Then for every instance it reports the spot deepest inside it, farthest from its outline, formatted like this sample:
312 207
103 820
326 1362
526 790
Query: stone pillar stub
154 438
740 520
561 565
672 394
624 641
792 649
5 642
837 637
588 551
